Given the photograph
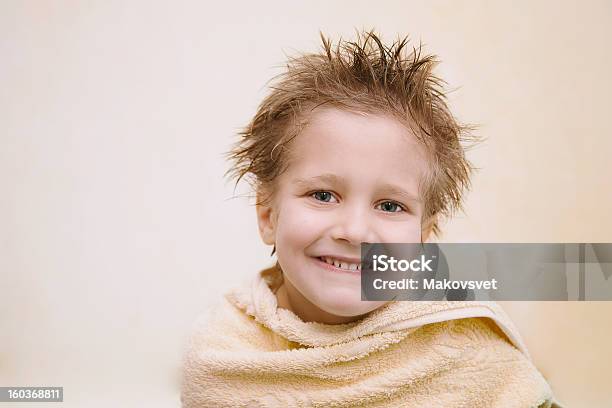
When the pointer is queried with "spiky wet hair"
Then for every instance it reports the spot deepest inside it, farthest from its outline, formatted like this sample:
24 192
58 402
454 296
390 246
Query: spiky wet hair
363 75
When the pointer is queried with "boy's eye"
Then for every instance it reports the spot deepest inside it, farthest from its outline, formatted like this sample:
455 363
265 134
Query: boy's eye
386 206
324 196
390 206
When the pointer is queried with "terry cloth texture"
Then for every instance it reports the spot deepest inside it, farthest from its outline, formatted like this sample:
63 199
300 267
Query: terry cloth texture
247 352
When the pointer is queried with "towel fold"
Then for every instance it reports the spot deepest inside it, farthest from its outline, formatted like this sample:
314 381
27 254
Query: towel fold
247 352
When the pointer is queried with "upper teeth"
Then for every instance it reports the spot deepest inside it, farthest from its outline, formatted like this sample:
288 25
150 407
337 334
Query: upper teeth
342 264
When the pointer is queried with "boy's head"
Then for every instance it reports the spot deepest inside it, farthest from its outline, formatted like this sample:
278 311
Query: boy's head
355 144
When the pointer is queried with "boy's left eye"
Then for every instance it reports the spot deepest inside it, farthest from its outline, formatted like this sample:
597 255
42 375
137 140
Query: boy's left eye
390 206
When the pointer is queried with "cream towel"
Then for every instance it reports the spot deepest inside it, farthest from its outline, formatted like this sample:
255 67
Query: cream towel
248 353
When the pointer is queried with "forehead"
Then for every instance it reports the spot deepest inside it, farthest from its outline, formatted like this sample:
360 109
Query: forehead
359 148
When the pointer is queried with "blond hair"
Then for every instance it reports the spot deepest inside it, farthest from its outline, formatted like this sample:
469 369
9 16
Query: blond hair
366 76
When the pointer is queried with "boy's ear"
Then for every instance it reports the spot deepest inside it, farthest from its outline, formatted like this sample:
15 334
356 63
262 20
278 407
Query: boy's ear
266 220
427 227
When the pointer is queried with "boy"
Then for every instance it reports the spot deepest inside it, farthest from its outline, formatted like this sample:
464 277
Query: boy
355 144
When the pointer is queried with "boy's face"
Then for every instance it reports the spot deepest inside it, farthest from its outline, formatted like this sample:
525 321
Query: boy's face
352 178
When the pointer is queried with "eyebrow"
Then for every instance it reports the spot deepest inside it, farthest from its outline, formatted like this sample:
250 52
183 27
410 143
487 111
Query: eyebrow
337 180
325 178
394 190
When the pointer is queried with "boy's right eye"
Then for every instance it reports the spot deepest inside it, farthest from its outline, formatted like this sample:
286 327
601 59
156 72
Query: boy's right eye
324 196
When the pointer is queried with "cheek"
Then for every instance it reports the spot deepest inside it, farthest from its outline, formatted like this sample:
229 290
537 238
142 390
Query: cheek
401 232
298 227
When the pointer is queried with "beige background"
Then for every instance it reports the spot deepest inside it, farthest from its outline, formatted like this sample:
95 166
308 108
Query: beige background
116 227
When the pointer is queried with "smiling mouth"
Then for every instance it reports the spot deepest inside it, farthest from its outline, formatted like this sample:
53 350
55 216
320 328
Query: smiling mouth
347 266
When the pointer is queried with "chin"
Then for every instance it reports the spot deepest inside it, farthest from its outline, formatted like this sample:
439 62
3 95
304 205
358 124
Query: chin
348 307
342 301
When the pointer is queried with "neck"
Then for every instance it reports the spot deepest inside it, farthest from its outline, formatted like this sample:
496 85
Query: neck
288 297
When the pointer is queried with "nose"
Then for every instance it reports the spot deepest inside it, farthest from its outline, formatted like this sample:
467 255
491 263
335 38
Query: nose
353 224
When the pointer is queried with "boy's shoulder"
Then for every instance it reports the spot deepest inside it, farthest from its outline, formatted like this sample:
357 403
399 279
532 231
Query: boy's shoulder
478 344
225 326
